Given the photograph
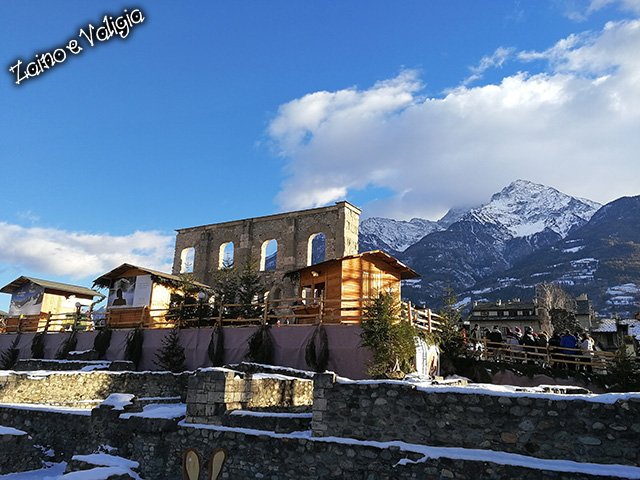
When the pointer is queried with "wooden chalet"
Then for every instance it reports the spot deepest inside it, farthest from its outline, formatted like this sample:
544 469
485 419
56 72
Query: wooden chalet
141 297
36 303
338 289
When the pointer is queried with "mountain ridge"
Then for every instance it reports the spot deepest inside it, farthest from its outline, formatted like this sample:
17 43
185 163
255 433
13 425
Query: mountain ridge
487 247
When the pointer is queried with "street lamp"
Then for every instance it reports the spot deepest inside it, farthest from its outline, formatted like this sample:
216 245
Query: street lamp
77 322
201 297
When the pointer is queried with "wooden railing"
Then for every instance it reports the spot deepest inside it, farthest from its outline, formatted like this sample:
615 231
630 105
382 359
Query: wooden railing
45 322
563 357
287 311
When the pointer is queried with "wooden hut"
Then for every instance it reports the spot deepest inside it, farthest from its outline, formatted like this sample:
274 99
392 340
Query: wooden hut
38 305
338 289
141 297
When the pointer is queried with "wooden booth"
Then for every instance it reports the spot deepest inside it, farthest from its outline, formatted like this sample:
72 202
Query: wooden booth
140 297
41 305
338 290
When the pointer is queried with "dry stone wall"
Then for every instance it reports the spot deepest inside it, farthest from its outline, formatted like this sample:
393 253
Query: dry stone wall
351 422
74 388
541 425
214 392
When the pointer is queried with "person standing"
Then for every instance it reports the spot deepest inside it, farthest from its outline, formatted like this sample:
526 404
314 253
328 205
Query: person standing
568 341
496 339
586 345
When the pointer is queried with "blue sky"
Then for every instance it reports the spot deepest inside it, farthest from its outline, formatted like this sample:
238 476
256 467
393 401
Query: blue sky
214 111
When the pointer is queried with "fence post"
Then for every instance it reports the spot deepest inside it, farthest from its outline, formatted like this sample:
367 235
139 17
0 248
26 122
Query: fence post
265 316
410 313
429 320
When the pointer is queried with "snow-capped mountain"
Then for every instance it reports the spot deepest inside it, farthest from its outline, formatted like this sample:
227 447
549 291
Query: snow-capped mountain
393 235
525 208
480 242
600 258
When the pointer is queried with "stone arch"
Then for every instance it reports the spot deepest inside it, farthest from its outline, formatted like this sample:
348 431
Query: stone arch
269 255
187 259
316 248
226 254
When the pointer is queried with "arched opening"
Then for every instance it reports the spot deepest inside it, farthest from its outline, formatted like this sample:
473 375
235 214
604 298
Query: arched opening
316 248
187 257
269 255
226 255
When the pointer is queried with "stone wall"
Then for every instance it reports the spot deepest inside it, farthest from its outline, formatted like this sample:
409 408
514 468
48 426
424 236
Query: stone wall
158 445
214 392
17 451
537 425
75 388
292 231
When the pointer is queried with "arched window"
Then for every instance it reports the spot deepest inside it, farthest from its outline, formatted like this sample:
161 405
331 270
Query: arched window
269 255
187 258
226 255
315 248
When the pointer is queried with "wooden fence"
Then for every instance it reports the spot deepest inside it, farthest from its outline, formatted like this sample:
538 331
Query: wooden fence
569 358
288 311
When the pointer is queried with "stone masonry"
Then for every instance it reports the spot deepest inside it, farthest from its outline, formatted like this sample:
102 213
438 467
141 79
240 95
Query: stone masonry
293 232
535 425
351 423
213 392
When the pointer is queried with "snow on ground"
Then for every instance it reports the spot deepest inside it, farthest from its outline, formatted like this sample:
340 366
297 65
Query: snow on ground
11 431
106 460
622 471
160 410
118 400
249 413
52 473
426 385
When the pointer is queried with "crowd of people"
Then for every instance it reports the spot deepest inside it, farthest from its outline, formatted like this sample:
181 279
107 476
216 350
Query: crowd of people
568 350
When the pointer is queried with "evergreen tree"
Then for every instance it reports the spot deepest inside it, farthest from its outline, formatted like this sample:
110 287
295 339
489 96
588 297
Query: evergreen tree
171 355
250 289
225 287
389 337
450 338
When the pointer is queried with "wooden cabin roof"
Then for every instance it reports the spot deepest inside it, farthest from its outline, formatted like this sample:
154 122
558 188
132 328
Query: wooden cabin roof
134 270
51 287
405 272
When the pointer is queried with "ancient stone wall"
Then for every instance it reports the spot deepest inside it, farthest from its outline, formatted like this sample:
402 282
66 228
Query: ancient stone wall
76 389
539 425
212 393
292 231
351 422
17 451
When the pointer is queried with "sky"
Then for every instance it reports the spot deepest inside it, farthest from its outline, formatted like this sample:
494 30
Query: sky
214 111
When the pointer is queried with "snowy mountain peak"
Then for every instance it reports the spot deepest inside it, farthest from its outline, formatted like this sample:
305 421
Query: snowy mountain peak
397 234
525 208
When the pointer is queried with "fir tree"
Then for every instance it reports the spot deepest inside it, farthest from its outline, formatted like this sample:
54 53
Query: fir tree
450 338
250 289
389 337
171 355
225 289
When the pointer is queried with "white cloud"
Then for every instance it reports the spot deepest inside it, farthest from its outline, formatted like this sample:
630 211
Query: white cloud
573 127
498 58
79 255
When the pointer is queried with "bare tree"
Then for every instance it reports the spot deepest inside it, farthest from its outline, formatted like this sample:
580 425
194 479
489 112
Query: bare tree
550 296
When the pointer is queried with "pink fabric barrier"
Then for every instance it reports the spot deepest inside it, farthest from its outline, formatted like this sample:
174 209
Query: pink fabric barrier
346 358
